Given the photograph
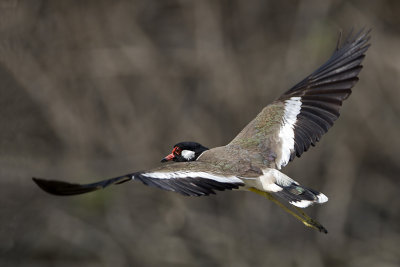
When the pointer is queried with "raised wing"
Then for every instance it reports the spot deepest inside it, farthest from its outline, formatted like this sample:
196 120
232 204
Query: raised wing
187 178
287 127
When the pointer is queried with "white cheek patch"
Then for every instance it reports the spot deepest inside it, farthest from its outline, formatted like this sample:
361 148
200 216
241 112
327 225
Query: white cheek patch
286 133
188 154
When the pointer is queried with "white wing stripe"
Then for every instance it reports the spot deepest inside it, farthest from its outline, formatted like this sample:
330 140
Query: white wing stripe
286 133
186 174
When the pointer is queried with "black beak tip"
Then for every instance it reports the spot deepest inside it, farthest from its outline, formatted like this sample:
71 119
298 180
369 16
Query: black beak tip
164 160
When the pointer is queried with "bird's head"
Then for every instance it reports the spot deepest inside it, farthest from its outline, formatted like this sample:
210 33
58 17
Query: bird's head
185 151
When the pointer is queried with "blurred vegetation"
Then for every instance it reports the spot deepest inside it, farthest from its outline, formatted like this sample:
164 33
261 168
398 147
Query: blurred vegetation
96 89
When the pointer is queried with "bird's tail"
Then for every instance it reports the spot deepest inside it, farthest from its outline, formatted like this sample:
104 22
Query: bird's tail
301 196
296 194
61 188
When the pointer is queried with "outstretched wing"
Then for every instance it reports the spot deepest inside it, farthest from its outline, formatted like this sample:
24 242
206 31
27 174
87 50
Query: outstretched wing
190 178
187 178
287 127
61 188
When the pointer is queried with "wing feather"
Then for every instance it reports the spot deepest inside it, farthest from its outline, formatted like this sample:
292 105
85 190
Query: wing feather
190 178
299 118
187 178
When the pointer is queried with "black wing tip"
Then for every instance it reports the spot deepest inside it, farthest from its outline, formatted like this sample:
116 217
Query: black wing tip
353 44
45 185
42 183
360 38
339 41
60 188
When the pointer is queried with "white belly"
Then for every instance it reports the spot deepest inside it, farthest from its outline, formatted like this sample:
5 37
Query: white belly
268 181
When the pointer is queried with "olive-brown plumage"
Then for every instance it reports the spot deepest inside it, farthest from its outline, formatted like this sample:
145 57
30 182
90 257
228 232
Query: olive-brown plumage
251 161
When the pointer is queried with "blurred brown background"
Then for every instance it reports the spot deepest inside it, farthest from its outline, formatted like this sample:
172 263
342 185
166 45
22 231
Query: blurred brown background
96 89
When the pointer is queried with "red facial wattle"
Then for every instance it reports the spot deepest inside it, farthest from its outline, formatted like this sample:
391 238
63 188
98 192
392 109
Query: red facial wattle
175 151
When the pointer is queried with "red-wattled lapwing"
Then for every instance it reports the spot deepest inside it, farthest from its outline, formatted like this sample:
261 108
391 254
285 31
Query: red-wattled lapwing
280 132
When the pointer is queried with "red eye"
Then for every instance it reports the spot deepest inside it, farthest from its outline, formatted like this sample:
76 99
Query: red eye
176 150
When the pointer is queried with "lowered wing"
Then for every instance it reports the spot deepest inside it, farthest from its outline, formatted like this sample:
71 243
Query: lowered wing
187 178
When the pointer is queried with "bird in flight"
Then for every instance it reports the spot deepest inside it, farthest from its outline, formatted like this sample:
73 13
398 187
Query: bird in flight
253 159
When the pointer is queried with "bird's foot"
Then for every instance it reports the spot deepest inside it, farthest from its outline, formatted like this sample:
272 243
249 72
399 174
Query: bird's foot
308 221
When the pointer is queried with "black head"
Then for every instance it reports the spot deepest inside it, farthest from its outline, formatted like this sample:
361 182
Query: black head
185 151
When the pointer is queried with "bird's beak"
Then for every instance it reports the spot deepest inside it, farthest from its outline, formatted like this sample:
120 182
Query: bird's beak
168 158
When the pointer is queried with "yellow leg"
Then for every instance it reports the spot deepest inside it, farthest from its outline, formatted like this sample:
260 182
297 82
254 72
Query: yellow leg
301 215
